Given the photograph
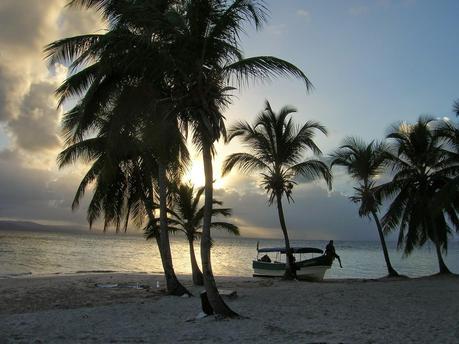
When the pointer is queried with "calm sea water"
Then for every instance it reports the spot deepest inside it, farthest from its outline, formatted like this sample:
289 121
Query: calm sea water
50 253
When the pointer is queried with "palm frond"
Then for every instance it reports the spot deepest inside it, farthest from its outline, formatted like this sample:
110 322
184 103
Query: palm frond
69 49
229 227
263 68
77 84
87 151
456 107
244 161
313 170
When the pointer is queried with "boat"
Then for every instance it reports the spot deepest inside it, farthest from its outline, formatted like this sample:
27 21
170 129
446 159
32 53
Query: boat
307 269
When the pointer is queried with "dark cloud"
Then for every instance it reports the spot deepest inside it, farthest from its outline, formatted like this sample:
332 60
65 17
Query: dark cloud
26 27
315 214
27 23
30 186
34 194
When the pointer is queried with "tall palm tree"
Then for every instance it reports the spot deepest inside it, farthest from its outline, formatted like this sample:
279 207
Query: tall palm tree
186 217
128 56
124 168
209 64
168 146
447 197
421 166
364 162
277 151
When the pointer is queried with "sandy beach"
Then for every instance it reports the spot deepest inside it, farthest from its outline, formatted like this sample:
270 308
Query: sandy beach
70 308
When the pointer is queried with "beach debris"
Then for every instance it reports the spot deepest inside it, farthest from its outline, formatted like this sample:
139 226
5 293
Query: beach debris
201 315
95 271
231 294
157 285
117 285
109 285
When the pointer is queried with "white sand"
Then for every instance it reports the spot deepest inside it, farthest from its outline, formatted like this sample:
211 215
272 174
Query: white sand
70 308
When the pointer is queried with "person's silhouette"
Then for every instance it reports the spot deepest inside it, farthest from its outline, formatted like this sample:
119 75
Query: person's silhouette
330 251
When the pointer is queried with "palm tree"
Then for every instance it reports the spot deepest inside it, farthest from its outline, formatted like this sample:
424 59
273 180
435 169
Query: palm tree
187 217
277 151
123 169
168 146
422 166
456 107
194 46
364 162
447 197
209 64
114 72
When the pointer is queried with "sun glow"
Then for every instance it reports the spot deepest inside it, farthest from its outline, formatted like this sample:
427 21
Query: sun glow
195 175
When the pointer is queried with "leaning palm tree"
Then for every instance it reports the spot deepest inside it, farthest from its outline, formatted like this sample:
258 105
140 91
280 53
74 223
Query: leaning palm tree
210 64
123 169
187 217
119 67
364 162
277 151
421 166
164 139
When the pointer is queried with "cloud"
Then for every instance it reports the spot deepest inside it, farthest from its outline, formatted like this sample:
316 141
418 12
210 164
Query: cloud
304 14
76 21
31 187
27 26
9 93
36 194
27 23
315 214
35 128
358 10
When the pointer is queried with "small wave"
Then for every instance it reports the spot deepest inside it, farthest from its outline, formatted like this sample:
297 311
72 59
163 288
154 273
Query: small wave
12 275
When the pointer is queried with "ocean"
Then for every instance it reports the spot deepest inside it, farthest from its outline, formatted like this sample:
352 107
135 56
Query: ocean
43 253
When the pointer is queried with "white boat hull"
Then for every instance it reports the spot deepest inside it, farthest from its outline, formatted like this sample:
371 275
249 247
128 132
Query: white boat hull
308 272
310 269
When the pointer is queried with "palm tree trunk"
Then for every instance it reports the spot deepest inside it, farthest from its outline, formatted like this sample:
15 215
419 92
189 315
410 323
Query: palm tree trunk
197 274
390 269
290 272
174 287
152 219
441 263
434 237
215 300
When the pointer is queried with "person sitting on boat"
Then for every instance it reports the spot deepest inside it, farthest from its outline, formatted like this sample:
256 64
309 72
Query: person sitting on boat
330 251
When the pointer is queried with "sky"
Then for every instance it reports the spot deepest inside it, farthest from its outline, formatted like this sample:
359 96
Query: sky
372 63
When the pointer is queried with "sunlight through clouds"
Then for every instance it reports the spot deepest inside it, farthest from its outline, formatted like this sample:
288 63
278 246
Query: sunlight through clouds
358 92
